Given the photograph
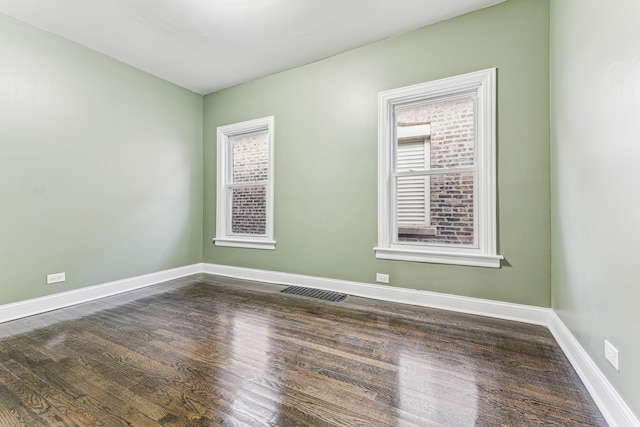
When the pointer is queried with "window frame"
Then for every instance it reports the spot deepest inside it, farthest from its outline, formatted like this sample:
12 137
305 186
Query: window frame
483 85
224 185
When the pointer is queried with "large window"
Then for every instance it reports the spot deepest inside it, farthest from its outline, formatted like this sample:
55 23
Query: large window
437 172
245 185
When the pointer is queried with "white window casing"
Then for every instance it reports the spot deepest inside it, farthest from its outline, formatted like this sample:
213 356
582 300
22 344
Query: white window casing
225 186
394 209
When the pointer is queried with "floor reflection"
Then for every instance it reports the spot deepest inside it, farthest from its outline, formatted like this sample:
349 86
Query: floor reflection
249 361
437 390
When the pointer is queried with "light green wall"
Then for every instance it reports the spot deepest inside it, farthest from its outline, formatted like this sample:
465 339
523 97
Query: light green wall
326 154
100 167
595 110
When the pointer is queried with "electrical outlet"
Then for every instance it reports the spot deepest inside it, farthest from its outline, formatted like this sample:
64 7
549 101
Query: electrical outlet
55 278
382 278
611 354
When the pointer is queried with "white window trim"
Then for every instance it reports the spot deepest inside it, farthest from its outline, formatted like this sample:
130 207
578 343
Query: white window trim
223 216
485 255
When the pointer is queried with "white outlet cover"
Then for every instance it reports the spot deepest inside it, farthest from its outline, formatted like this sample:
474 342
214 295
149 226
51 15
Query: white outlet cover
55 278
611 354
382 278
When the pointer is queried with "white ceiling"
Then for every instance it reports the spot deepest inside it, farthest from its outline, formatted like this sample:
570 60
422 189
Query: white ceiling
207 45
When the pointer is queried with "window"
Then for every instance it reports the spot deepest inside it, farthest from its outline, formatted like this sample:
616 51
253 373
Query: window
437 172
245 185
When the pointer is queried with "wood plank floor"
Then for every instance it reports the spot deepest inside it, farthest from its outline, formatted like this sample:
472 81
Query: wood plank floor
210 351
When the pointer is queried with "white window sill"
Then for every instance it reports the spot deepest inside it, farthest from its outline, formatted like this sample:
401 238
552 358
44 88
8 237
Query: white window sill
476 260
245 243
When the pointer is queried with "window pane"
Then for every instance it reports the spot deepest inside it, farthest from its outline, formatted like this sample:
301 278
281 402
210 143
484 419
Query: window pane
250 157
449 215
445 129
248 210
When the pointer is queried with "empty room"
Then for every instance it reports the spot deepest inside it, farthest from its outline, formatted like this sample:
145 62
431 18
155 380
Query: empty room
319 213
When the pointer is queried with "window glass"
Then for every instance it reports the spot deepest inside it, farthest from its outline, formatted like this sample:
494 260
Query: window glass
434 137
448 214
250 154
249 210
450 124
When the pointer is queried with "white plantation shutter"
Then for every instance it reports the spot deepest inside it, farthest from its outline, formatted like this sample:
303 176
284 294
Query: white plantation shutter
411 154
413 192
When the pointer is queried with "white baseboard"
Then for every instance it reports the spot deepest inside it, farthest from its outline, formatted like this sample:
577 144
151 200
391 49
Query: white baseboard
482 307
40 305
613 407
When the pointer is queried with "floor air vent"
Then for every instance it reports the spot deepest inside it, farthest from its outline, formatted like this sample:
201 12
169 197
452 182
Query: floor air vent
315 293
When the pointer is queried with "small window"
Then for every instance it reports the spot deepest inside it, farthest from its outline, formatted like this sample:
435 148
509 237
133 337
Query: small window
437 172
245 185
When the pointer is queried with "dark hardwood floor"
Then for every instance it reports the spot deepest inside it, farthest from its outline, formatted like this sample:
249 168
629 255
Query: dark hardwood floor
210 351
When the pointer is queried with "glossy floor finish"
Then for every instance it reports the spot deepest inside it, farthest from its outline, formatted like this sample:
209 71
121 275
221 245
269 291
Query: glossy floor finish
210 351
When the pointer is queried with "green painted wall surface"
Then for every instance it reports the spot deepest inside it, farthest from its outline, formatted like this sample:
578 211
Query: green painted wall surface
326 154
100 167
595 103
